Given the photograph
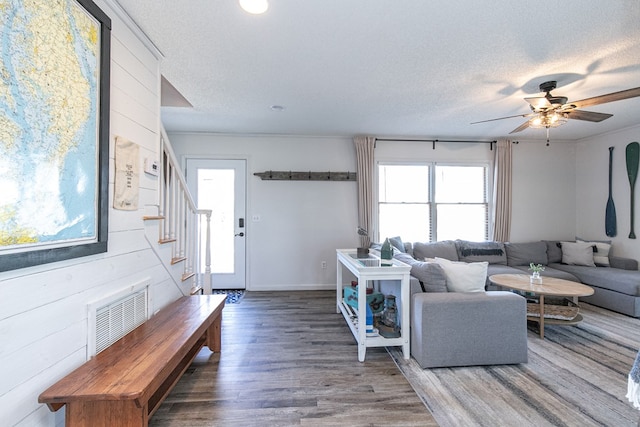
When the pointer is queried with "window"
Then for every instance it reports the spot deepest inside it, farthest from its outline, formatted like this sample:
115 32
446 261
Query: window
429 202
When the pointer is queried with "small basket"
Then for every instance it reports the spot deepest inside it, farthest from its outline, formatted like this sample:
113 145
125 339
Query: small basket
554 311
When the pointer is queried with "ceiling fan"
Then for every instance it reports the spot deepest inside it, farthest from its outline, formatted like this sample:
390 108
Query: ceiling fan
551 111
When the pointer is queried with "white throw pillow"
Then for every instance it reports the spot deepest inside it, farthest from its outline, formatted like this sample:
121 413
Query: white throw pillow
601 252
577 253
464 276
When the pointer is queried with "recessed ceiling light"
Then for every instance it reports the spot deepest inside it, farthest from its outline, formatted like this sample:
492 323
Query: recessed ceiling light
255 6
277 108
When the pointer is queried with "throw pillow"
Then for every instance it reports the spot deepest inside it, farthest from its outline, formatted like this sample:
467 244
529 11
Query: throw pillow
463 276
492 252
554 251
526 253
430 274
601 251
397 243
577 253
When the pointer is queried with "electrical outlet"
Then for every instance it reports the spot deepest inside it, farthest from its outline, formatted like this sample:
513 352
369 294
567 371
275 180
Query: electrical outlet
323 265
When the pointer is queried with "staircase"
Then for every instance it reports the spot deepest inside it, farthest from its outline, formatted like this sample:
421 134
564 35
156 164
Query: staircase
179 224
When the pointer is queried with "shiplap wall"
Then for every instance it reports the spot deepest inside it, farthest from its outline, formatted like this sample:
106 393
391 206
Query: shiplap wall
43 309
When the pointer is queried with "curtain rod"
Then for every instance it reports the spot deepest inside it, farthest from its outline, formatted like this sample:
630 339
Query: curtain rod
433 141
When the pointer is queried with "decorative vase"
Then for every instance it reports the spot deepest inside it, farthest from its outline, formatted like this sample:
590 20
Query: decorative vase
535 278
362 253
386 252
389 323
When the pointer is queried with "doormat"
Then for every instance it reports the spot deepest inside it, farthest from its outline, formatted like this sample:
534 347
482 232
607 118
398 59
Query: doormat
233 295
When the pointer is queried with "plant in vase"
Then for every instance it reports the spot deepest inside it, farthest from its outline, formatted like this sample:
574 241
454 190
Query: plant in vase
536 270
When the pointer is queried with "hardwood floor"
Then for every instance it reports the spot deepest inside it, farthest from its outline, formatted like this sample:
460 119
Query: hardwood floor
288 359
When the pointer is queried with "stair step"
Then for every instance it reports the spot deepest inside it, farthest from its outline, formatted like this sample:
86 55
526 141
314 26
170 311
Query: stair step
196 290
152 217
187 276
177 259
163 241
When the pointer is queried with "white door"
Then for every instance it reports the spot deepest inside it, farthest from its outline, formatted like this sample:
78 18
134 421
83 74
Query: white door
220 185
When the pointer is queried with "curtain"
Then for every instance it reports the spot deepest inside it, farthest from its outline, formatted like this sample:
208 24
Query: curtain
502 191
365 146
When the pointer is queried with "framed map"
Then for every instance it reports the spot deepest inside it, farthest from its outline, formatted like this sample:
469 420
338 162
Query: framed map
54 131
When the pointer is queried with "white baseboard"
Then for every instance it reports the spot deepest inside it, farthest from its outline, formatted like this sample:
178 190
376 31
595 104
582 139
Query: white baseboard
290 287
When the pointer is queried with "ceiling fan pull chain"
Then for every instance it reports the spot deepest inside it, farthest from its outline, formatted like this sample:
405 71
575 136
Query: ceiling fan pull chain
547 136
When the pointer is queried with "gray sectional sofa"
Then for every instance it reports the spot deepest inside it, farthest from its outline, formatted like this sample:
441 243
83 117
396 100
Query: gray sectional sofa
489 327
616 287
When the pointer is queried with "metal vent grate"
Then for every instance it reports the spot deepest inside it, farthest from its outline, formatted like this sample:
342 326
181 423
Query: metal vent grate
114 317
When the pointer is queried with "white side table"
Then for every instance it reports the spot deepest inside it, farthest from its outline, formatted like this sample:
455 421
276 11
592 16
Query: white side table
368 269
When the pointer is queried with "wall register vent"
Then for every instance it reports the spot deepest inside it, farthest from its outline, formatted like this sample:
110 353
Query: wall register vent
115 316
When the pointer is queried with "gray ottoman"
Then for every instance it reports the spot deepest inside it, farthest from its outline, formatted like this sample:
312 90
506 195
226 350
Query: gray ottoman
467 329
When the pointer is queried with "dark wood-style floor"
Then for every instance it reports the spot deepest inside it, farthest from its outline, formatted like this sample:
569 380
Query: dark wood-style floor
288 359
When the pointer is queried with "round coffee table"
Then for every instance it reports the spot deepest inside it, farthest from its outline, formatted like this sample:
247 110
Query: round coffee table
549 286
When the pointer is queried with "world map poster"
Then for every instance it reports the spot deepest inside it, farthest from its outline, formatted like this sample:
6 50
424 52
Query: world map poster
49 124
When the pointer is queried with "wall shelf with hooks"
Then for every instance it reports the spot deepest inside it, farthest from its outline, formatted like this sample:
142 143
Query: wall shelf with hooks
306 176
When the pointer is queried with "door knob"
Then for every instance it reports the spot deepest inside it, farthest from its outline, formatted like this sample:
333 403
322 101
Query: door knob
241 234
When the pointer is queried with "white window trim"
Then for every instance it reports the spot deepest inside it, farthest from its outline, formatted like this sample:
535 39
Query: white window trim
488 165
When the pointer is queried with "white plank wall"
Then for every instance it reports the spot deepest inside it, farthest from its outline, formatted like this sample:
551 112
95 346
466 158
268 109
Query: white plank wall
43 309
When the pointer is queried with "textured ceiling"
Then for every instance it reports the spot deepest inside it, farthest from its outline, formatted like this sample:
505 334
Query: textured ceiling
411 68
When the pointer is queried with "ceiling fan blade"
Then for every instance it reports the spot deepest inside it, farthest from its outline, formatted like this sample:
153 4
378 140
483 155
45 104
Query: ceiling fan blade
538 103
610 97
588 116
501 118
521 127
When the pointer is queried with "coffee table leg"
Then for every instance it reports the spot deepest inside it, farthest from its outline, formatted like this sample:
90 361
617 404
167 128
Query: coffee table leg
542 316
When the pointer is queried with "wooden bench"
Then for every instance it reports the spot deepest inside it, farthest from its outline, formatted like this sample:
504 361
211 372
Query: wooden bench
126 383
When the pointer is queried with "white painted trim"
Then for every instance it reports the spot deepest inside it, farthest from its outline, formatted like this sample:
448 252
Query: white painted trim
290 287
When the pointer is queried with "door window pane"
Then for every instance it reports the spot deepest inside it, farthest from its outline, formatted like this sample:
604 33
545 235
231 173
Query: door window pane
216 192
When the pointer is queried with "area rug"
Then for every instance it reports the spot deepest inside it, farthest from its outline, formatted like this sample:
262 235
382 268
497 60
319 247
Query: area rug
233 295
576 376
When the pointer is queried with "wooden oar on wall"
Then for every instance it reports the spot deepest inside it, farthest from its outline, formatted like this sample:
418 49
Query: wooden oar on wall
610 224
633 156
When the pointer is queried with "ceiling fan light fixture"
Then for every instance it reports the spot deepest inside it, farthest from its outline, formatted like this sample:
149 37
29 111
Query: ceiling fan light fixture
547 119
255 7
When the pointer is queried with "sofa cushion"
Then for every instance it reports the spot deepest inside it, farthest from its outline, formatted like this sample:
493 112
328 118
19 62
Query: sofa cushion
445 249
615 279
464 276
554 251
492 252
601 251
430 274
526 253
577 253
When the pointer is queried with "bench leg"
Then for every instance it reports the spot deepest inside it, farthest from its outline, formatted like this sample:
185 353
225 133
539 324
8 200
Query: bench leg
214 333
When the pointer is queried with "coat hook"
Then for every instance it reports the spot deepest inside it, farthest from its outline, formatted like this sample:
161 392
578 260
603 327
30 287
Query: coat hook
309 175
290 175
270 174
